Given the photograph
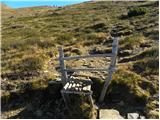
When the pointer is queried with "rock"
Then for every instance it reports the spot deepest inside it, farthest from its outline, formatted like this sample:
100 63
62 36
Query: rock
132 115
142 117
109 114
154 97
125 53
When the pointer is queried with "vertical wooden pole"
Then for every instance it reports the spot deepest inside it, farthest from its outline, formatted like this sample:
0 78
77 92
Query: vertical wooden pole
91 101
112 66
62 66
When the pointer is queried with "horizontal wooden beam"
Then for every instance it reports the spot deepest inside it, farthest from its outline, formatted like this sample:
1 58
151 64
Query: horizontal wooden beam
86 69
88 56
90 69
76 92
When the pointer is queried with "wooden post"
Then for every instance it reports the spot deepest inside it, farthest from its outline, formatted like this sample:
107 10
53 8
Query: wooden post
112 65
62 66
91 101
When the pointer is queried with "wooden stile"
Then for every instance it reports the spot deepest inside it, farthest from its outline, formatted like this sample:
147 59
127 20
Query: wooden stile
73 86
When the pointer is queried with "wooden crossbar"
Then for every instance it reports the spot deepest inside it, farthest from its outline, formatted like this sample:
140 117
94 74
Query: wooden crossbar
86 69
87 56
89 69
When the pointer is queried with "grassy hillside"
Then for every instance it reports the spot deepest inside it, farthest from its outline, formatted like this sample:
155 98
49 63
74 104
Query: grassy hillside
31 36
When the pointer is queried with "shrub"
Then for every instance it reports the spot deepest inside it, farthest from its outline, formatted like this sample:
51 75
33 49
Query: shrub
152 52
132 41
147 66
137 11
46 43
32 63
64 39
129 87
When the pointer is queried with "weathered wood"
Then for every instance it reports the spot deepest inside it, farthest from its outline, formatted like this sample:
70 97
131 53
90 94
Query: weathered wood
112 65
86 69
88 56
77 92
62 66
91 100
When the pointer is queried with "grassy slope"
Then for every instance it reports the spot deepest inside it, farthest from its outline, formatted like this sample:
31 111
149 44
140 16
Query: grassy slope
30 40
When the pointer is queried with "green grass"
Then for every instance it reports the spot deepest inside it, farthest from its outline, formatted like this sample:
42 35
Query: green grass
132 41
147 66
128 85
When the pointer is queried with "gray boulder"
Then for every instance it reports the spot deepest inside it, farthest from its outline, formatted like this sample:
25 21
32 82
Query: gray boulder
109 114
132 116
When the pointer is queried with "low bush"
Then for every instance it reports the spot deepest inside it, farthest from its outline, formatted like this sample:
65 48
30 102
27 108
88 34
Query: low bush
147 66
32 63
132 41
126 86
46 43
64 39
152 52
137 11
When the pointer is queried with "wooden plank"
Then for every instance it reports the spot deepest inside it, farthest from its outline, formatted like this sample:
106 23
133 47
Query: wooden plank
85 88
112 65
87 56
70 85
74 85
77 92
86 69
66 85
62 66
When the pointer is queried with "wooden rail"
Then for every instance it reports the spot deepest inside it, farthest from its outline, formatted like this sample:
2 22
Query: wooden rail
89 69
88 56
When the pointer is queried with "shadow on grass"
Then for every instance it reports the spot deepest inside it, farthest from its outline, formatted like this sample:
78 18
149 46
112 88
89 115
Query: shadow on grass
37 103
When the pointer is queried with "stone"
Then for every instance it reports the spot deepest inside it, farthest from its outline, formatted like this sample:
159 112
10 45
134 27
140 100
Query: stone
142 117
125 53
132 115
109 114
